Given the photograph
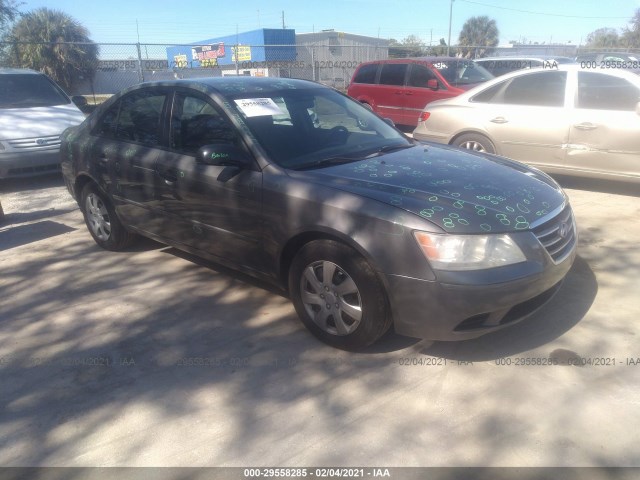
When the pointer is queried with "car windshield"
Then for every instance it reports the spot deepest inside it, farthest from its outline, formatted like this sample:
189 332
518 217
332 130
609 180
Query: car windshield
28 90
462 72
315 127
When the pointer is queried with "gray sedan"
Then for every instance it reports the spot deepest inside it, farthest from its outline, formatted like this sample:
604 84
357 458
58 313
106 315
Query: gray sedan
301 186
565 120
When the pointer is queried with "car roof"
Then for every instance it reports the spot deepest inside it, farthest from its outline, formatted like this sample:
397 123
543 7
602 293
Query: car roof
235 85
524 57
420 59
566 67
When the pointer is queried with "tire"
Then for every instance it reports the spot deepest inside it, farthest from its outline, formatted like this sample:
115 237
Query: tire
348 309
475 142
101 220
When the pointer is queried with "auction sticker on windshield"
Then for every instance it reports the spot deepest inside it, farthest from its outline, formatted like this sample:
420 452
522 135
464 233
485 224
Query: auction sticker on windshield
256 107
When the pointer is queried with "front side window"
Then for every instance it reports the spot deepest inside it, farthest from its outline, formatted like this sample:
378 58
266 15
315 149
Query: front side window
393 73
419 76
600 91
195 123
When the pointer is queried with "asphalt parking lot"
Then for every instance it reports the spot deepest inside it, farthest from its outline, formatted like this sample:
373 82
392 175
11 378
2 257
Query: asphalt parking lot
150 358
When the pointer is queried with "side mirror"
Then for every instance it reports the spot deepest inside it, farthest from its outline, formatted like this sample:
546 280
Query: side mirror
389 122
223 154
433 84
79 101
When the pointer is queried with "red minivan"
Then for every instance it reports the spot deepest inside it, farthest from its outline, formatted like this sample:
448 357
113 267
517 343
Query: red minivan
400 88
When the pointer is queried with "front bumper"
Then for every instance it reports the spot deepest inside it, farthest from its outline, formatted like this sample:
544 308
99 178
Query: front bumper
443 310
29 163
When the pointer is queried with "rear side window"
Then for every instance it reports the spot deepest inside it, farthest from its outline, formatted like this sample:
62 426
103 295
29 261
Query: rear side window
544 89
599 91
393 73
487 95
135 118
366 74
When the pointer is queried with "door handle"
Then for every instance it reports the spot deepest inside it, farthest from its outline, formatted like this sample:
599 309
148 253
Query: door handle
399 92
499 120
169 176
585 126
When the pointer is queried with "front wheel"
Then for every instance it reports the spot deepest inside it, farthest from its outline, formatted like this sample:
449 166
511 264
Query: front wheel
475 142
338 295
101 219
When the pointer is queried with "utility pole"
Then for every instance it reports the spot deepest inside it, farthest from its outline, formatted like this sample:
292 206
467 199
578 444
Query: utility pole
450 17
283 19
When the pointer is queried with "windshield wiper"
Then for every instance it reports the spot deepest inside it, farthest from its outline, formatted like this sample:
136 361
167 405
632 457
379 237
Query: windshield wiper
325 162
339 160
391 148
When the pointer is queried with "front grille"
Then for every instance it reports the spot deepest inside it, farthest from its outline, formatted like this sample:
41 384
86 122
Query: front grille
558 235
35 143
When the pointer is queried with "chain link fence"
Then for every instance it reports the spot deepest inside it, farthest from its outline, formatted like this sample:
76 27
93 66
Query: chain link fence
333 64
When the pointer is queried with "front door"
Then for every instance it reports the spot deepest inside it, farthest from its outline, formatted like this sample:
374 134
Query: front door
215 209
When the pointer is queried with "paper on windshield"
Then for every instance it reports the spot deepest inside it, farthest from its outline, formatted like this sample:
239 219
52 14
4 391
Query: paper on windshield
256 107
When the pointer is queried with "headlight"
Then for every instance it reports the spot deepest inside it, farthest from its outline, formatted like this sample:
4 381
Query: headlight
468 252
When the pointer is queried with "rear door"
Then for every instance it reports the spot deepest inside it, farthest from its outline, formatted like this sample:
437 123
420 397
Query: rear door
605 128
126 143
527 119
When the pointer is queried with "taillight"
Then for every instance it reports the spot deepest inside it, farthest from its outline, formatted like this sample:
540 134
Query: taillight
424 116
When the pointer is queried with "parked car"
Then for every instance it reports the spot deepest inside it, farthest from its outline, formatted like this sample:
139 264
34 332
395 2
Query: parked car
399 89
500 65
569 120
610 60
33 113
297 184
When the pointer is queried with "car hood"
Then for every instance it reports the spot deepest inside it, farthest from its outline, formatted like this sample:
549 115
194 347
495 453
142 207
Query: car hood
461 192
16 123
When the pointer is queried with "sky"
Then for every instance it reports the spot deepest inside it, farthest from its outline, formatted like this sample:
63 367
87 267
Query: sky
187 21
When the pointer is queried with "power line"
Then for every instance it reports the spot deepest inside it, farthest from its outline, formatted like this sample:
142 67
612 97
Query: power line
541 13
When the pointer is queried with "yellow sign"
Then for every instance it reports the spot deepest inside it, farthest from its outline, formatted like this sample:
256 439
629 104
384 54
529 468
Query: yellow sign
180 61
244 53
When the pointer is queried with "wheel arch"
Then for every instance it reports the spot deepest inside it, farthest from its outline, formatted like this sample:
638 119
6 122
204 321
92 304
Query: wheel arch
474 131
80 182
296 242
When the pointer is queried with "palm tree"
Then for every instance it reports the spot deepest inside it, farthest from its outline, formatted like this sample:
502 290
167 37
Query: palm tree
53 43
8 13
481 32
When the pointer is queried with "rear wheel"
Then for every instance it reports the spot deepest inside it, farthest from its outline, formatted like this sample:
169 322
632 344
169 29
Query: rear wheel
338 295
475 142
101 219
